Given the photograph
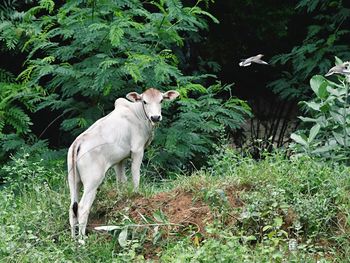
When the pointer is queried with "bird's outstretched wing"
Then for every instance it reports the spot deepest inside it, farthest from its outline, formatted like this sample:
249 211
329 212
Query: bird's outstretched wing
255 59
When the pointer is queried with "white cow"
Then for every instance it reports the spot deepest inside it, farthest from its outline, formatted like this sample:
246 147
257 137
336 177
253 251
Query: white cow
125 132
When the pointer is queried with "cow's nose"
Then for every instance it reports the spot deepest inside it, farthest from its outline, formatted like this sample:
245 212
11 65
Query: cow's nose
155 118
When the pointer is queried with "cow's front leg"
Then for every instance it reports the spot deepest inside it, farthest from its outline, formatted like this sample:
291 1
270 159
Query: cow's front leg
119 169
135 168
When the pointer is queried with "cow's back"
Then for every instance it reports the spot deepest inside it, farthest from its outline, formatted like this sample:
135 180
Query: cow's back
108 138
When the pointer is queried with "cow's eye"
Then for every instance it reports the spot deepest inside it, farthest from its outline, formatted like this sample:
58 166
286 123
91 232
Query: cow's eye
161 101
144 102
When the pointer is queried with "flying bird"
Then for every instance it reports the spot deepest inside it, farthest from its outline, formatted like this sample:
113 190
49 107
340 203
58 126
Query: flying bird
255 59
340 69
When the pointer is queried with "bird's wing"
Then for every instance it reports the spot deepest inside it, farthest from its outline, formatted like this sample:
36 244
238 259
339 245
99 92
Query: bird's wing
249 59
261 62
245 64
330 72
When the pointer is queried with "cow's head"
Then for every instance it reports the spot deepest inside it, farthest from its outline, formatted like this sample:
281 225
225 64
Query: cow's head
151 100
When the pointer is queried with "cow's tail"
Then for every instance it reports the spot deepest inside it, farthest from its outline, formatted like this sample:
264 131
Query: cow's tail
73 179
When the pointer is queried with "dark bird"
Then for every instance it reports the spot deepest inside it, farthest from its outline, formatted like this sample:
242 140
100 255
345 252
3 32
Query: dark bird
340 69
255 59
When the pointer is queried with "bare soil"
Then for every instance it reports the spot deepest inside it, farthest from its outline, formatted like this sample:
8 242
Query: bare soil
183 210
178 206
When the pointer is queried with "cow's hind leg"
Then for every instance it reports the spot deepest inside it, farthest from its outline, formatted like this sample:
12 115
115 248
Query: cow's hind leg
73 182
73 216
90 189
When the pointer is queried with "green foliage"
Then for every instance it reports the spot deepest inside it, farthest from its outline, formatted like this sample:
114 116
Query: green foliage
191 134
34 225
328 113
288 200
226 248
25 170
9 17
17 101
326 37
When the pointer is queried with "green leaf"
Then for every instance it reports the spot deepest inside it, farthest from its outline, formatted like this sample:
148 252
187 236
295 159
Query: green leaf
324 149
115 35
271 234
337 117
297 138
265 228
159 216
339 137
122 238
307 119
202 12
313 105
319 85
48 5
250 238
313 132
325 107
331 38
335 92
281 231
315 83
322 91
278 221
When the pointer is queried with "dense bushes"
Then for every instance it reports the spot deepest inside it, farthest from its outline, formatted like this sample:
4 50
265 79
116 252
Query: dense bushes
328 134
189 134
17 101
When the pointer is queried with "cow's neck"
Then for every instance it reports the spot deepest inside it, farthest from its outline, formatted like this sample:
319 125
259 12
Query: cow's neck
142 116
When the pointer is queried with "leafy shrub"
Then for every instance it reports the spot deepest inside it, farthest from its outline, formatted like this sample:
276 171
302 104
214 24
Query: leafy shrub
27 170
17 102
329 137
30 205
226 247
189 135
287 200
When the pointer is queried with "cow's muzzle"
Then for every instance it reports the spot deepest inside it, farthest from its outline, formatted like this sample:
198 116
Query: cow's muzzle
155 118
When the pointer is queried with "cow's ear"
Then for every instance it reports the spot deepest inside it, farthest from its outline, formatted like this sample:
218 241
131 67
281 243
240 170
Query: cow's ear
134 96
170 95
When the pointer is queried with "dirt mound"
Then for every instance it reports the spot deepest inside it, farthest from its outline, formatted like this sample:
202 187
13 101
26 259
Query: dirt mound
177 207
177 212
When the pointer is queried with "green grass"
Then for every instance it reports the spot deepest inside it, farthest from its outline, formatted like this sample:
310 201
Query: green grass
282 200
